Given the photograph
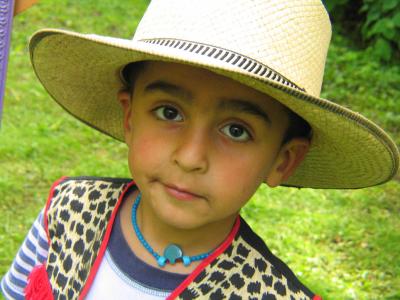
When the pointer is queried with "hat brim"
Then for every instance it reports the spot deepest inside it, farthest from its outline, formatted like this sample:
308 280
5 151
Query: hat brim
82 73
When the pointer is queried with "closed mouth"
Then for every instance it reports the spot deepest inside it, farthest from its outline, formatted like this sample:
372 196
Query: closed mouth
180 192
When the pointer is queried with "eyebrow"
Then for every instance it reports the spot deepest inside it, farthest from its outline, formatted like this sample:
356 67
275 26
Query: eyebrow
171 89
246 106
235 104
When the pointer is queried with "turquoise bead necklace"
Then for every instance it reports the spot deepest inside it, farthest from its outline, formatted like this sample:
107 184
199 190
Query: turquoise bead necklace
172 252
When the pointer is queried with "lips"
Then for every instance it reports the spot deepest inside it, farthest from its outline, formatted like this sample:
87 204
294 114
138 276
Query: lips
180 193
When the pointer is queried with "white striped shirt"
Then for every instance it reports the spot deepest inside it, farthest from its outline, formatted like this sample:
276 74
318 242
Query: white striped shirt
33 252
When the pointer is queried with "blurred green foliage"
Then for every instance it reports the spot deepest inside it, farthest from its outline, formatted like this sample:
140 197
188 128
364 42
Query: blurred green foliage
376 24
363 84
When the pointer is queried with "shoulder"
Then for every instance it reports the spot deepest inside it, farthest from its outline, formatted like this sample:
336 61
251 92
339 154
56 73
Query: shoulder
247 270
273 273
80 185
86 188
87 199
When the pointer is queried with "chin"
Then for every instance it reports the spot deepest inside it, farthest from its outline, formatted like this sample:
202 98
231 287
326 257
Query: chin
179 219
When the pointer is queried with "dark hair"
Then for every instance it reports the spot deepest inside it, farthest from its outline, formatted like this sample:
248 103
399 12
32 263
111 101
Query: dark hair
298 127
130 73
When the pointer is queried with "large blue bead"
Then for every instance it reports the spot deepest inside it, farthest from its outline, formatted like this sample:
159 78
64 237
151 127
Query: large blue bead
172 253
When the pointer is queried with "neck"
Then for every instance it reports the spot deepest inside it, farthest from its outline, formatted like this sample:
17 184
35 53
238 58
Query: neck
159 234
193 241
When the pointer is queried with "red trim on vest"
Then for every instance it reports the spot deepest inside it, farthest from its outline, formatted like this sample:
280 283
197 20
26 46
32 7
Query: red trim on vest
228 241
45 222
103 246
316 297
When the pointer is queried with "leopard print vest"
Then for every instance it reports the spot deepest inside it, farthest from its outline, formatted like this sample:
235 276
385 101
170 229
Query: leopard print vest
80 213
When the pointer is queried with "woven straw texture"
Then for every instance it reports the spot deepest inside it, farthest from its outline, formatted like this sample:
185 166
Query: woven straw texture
276 47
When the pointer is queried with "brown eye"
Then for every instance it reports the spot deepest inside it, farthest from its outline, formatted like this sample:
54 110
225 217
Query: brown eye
236 132
168 113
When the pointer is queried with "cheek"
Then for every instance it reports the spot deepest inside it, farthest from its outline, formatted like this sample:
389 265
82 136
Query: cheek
144 150
246 171
143 147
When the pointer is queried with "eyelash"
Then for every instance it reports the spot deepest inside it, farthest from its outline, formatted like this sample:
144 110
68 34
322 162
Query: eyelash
158 112
243 128
159 109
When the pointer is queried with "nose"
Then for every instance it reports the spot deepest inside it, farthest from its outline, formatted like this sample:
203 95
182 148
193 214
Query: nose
192 151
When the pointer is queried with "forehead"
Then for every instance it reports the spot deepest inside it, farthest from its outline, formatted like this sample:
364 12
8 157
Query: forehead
199 84
197 78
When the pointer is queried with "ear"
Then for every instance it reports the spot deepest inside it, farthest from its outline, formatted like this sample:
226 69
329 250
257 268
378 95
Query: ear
288 159
124 97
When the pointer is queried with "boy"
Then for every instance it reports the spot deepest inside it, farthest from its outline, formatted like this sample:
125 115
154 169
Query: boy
217 97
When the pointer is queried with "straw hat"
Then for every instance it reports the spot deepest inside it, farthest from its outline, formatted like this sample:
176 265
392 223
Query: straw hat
275 46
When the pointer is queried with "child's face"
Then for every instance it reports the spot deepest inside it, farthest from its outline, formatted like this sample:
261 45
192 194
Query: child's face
200 144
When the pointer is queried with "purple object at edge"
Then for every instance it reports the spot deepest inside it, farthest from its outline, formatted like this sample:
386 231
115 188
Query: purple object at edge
6 17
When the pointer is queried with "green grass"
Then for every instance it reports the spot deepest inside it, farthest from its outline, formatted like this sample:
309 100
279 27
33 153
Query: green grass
343 244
